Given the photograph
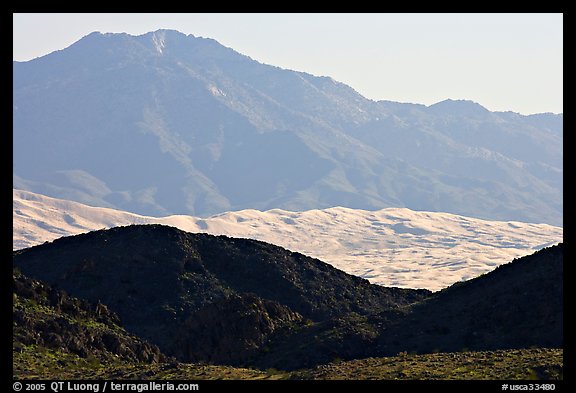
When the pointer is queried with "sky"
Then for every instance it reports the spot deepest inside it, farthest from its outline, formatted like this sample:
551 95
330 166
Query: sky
505 62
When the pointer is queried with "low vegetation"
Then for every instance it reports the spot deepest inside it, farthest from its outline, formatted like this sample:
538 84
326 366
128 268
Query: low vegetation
536 363
517 364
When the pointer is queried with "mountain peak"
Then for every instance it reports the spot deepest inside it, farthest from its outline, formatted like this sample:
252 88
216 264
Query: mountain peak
227 129
164 34
168 31
159 39
171 32
462 107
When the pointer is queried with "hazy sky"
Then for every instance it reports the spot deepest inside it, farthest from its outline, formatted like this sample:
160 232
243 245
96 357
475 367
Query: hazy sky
502 61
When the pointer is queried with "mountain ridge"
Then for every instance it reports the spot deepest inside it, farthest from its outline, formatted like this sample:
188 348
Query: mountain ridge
228 128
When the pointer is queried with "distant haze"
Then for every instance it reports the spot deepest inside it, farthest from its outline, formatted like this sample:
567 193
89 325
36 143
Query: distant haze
167 123
506 62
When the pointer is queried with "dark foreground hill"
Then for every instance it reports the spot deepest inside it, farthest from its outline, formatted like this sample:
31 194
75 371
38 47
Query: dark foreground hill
57 336
242 302
518 305
204 297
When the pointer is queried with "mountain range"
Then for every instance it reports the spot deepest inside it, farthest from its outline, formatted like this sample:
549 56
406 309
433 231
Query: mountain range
166 123
242 302
392 247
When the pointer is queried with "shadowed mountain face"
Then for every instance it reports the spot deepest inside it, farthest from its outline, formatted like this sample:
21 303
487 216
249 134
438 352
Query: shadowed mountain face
518 305
243 302
165 123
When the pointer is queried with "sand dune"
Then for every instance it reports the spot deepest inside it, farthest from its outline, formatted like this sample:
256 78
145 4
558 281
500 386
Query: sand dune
393 247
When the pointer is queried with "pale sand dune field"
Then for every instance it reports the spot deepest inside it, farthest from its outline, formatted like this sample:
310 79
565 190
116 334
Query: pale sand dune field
393 247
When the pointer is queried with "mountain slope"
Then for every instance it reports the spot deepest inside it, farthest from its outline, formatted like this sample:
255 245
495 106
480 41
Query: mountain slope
105 120
242 302
57 336
392 247
48 322
174 288
518 305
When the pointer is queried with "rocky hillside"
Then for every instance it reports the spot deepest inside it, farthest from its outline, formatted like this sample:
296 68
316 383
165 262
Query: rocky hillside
57 336
243 302
47 320
204 297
